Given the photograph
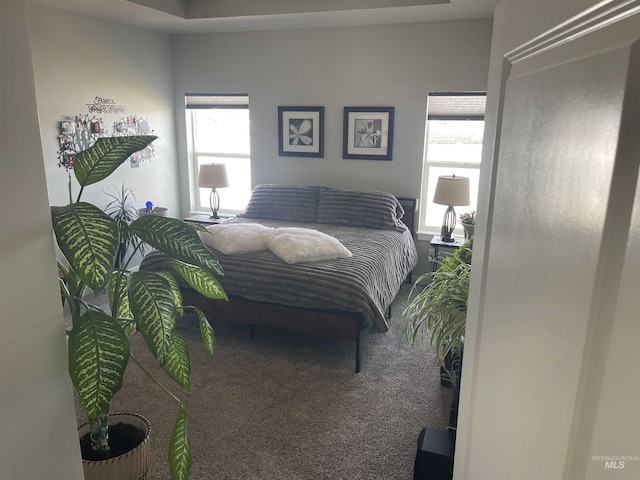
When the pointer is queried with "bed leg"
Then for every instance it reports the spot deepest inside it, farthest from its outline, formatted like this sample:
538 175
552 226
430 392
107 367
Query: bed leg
358 360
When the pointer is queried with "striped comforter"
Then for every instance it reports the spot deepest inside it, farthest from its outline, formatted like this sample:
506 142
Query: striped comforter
366 283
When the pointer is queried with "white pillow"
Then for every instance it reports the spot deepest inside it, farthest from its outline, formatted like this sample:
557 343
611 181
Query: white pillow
232 238
297 245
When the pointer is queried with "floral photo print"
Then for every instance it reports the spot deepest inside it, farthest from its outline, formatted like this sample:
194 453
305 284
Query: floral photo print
301 131
367 133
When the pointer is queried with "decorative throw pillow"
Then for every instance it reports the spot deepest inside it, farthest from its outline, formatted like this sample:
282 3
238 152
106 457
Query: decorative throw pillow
284 202
234 238
298 245
357 208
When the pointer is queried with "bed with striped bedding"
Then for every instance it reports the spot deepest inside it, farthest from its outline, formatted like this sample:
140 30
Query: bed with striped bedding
307 296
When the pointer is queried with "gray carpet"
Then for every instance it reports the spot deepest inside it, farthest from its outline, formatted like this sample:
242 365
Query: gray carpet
289 406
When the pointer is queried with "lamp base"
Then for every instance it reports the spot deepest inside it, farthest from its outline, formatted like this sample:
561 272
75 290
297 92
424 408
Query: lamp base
448 225
447 239
214 203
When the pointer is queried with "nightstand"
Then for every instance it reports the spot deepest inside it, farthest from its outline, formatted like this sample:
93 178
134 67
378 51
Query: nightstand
204 219
437 244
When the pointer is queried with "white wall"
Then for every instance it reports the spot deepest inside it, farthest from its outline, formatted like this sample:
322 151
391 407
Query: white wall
387 65
557 365
76 58
38 438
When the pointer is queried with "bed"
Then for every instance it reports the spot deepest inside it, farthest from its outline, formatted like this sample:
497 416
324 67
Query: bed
346 291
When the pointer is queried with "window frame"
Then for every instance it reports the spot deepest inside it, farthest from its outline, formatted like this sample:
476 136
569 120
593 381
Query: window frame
194 102
428 231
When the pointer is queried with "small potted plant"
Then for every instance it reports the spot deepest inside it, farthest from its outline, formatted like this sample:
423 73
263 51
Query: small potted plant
151 209
468 221
121 208
98 346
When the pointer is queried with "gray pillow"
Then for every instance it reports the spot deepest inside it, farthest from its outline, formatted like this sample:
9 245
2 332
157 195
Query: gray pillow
284 202
359 208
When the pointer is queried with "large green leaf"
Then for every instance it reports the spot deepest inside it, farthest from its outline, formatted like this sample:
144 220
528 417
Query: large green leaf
88 238
200 279
98 356
207 333
103 157
175 288
180 448
177 239
119 295
178 365
154 310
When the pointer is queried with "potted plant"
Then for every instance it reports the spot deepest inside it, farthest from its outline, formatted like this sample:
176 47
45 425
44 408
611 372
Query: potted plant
468 221
151 209
98 346
121 208
439 310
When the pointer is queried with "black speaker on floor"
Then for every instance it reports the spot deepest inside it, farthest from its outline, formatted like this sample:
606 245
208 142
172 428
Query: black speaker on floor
434 459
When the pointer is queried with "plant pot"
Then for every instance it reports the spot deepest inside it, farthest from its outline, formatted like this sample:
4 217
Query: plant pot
468 230
161 211
132 465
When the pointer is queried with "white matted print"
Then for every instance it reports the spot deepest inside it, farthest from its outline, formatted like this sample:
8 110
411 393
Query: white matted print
301 131
368 133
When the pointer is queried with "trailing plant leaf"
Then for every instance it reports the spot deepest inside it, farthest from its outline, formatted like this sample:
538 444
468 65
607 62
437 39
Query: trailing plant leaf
177 239
98 357
101 159
88 238
180 448
154 310
178 365
200 279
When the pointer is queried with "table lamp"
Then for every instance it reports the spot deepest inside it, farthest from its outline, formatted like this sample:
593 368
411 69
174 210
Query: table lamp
213 176
451 191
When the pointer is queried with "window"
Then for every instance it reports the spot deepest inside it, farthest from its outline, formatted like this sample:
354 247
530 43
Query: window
453 145
218 132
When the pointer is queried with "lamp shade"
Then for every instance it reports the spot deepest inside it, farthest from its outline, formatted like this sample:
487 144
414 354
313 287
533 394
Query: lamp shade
452 190
213 175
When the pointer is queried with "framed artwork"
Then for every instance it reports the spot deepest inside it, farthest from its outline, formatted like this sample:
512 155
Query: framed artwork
301 131
367 133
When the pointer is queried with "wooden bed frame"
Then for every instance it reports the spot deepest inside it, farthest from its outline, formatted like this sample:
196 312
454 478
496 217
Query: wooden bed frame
324 323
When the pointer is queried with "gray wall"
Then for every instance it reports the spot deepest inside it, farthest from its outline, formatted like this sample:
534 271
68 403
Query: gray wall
38 437
76 58
391 65
386 65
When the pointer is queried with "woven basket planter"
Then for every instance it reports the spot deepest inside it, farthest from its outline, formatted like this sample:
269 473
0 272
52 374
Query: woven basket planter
133 465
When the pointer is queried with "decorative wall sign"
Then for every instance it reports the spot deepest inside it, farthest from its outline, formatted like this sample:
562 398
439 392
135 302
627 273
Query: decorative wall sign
301 131
79 132
368 133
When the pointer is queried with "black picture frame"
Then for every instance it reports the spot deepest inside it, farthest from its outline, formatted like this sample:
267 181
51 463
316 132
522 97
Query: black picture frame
368 133
301 131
